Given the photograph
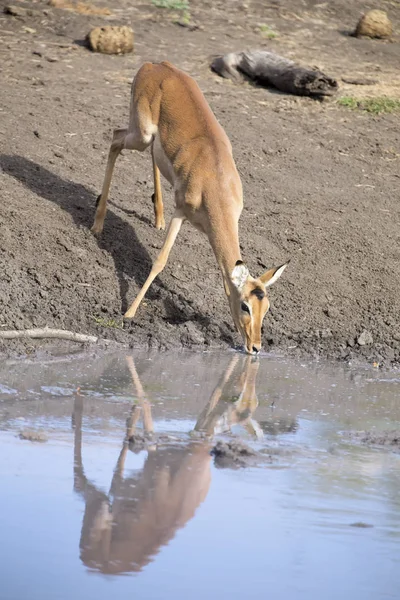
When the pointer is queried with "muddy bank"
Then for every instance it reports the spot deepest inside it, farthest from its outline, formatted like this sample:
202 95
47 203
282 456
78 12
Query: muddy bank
320 184
388 438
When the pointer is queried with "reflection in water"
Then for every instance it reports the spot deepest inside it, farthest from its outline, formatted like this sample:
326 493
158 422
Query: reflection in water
124 529
295 524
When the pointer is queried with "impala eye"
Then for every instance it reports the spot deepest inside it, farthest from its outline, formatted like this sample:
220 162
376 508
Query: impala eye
244 307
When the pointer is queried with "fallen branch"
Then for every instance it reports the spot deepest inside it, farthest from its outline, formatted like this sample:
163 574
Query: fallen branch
271 70
361 81
60 334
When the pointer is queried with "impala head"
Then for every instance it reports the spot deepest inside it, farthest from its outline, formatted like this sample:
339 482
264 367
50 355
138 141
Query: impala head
249 303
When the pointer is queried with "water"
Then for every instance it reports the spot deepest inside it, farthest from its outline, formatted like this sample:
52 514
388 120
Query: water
88 515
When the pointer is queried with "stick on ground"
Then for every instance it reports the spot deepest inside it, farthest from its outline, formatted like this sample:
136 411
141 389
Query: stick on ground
60 334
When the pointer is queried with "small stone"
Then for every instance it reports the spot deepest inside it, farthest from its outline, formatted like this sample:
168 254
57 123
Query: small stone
111 40
389 353
365 338
374 24
15 11
191 335
326 333
187 25
332 312
232 454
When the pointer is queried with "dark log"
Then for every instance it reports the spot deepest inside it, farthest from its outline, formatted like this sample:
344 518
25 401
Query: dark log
271 70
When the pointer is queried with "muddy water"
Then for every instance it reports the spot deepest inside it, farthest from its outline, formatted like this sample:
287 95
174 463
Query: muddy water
124 498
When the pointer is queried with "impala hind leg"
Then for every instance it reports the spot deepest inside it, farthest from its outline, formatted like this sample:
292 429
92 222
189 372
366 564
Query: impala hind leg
122 139
159 263
157 196
117 145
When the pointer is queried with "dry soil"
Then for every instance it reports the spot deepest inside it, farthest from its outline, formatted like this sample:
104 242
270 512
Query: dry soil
321 181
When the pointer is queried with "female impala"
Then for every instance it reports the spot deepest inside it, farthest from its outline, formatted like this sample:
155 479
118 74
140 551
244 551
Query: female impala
169 113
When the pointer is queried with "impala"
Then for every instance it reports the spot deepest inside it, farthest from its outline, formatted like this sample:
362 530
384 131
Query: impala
169 113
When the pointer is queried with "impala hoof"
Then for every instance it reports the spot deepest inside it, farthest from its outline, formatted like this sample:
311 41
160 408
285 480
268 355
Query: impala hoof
97 229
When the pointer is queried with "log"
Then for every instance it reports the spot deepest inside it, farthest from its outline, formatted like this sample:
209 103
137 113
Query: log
271 70
61 334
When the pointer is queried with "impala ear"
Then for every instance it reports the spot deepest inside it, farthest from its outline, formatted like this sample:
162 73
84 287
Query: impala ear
240 275
272 275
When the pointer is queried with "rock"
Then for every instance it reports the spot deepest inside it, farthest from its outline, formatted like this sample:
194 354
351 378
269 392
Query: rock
365 338
137 442
332 312
374 24
326 333
191 335
232 454
345 352
15 11
111 40
389 353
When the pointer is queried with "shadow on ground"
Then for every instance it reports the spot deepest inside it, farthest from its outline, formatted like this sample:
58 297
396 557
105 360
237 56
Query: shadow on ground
119 239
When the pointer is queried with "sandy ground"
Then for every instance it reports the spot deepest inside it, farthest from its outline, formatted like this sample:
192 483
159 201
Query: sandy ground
321 181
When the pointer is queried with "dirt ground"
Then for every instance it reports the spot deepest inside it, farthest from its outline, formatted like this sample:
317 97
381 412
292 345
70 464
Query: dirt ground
321 181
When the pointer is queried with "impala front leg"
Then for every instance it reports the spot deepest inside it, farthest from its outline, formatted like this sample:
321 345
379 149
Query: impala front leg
160 262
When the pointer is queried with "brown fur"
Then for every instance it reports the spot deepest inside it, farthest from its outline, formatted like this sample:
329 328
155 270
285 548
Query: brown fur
169 113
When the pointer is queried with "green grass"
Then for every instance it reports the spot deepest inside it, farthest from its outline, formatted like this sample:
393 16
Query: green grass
375 106
267 31
110 323
178 5
172 4
185 17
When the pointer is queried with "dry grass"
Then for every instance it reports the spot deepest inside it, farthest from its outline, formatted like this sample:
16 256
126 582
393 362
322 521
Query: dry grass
83 8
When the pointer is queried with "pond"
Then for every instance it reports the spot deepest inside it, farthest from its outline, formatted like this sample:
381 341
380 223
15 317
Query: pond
198 475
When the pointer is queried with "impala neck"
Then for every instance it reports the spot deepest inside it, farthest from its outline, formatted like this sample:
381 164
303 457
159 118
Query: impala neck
227 250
